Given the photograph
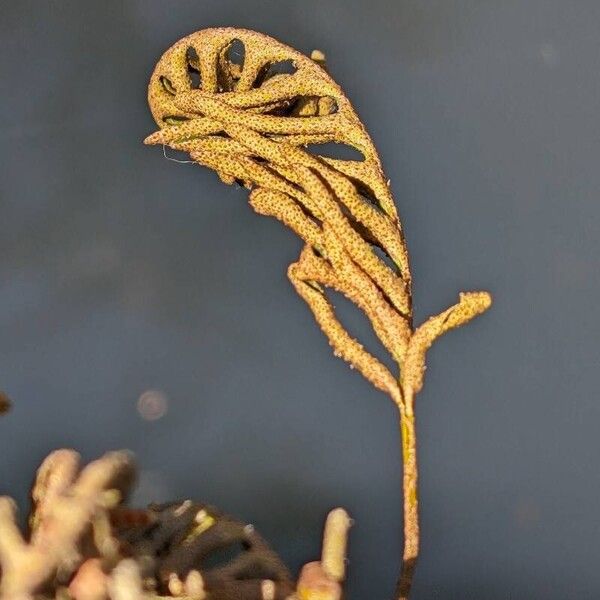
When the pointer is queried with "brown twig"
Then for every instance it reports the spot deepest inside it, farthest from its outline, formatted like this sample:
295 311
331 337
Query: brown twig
5 403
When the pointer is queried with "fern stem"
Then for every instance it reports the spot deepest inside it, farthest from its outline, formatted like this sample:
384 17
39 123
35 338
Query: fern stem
410 499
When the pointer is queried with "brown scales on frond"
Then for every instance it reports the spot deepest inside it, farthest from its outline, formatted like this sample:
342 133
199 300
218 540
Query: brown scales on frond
251 121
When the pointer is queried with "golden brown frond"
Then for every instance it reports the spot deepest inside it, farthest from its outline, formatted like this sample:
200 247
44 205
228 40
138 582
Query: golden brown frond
252 123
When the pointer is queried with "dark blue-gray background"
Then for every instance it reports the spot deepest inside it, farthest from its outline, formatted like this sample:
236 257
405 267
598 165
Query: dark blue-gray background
122 272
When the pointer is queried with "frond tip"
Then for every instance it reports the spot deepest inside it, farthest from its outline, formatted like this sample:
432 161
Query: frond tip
470 304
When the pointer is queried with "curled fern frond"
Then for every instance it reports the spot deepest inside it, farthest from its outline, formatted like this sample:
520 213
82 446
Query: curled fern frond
261 122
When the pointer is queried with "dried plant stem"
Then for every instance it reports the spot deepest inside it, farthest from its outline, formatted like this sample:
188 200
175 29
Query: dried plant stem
410 503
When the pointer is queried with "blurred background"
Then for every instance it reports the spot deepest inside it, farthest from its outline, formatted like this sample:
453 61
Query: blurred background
144 305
